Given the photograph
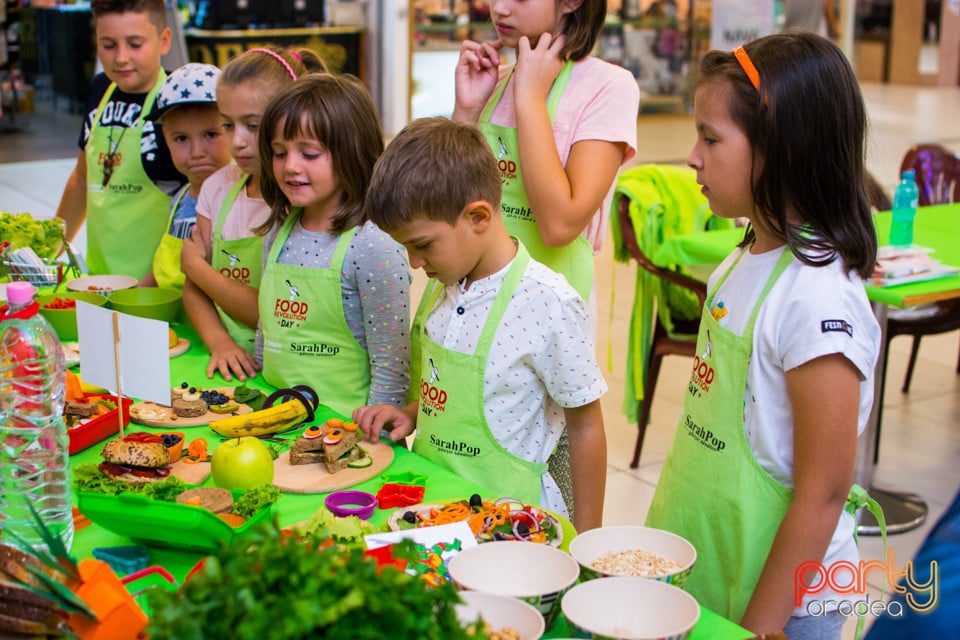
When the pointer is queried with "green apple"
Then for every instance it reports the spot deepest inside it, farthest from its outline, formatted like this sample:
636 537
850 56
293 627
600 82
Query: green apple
241 463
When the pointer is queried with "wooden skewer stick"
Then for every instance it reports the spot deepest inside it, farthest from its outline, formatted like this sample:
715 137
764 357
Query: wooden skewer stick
116 363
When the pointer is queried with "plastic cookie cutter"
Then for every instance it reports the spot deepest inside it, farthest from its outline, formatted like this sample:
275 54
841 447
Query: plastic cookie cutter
351 503
405 477
124 560
393 494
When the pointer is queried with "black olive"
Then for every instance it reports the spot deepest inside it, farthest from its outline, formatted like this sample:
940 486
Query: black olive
476 500
523 529
184 385
410 517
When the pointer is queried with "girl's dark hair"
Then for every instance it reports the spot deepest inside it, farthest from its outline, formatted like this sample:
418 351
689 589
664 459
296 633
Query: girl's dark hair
807 126
338 112
259 66
581 28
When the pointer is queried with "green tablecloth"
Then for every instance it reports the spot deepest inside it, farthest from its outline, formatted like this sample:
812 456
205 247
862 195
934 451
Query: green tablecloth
935 227
441 485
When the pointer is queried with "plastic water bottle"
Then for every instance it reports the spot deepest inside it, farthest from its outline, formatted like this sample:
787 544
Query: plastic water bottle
905 200
34 446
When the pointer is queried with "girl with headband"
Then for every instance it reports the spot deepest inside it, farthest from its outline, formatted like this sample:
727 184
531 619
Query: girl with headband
222 260
761 467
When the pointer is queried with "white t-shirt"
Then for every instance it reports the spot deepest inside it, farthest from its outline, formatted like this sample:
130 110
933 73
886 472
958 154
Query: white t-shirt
542 359
810 312
246 214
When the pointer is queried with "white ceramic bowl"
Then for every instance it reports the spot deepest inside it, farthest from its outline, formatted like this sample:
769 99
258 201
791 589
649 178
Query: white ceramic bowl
590 545
629 609
104 285
499 612
538 574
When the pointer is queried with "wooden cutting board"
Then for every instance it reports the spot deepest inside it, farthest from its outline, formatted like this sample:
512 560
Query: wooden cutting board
191 473
173 420
314 478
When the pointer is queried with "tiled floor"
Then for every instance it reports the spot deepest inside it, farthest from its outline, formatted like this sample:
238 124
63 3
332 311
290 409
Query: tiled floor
920 441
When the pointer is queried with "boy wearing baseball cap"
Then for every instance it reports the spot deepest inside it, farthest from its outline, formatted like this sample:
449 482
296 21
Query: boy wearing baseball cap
186 109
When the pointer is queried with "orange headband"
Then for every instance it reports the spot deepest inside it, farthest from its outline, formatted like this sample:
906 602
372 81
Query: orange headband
751 70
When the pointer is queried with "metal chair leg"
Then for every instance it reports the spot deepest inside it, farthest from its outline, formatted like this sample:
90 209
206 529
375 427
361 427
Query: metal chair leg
914 348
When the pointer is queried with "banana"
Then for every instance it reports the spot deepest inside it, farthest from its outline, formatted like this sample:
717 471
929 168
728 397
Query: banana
263 422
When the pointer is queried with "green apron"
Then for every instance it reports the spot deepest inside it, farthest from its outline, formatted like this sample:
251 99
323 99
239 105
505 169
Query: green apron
306 339
130 205
166 261
712 490
575 260
240 260
451 427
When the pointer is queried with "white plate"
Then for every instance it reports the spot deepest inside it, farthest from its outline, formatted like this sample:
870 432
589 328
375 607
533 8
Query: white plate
102 284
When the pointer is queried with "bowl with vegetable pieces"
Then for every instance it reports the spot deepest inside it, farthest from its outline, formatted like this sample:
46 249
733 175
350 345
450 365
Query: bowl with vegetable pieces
147 302
537 574
60 310
102 285
622 608
499 616
633 551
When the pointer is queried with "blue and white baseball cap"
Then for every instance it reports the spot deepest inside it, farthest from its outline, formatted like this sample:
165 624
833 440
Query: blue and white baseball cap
193 83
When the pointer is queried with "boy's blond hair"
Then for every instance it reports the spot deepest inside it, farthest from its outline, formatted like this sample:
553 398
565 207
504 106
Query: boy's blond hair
155 9
432 169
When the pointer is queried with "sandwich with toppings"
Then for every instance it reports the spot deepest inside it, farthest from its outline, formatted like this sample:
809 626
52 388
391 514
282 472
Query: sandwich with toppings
138 458
335 443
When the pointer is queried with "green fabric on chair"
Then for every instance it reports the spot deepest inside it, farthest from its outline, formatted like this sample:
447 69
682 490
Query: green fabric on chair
664 201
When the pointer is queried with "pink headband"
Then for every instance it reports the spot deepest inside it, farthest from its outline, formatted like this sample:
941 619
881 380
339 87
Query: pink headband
279 59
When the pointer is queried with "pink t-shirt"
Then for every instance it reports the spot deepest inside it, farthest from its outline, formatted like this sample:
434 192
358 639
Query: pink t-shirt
601 102
246 214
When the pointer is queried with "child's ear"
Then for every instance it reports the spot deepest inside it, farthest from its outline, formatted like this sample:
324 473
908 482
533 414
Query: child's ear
166 39
569 6
478 215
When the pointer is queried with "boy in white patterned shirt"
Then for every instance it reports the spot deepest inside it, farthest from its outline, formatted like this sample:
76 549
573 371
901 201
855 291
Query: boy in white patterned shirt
502 343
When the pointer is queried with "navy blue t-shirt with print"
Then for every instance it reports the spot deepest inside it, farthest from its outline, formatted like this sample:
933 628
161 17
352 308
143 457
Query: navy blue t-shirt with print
123 110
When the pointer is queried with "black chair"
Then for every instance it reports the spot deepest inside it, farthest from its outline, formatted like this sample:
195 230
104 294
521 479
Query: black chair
937 172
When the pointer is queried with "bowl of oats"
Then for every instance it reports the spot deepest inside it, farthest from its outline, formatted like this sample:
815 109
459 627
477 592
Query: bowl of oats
633 551
620 608
500 617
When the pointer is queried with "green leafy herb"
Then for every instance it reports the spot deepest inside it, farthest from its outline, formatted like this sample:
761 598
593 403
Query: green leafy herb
87 477
253 500
270 586
348 531
45 237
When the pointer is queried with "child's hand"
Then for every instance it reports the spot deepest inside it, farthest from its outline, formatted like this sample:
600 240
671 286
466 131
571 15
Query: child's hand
373 419
231 359
537 68
194 254
476 77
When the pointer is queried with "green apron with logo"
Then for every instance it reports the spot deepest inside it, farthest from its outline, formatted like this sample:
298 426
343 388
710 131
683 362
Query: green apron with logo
306 339
575 260
451 427
166 261
240 260
712 491
130 206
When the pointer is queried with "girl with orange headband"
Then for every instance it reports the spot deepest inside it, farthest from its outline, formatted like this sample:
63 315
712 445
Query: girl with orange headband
761 466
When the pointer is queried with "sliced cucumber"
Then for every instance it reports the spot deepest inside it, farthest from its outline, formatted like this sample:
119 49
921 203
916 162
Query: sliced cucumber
361 463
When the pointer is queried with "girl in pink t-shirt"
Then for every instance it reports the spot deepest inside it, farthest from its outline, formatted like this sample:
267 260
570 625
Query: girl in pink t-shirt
223 261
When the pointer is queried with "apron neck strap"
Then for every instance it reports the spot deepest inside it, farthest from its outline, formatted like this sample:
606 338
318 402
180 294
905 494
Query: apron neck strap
227 204
556 92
